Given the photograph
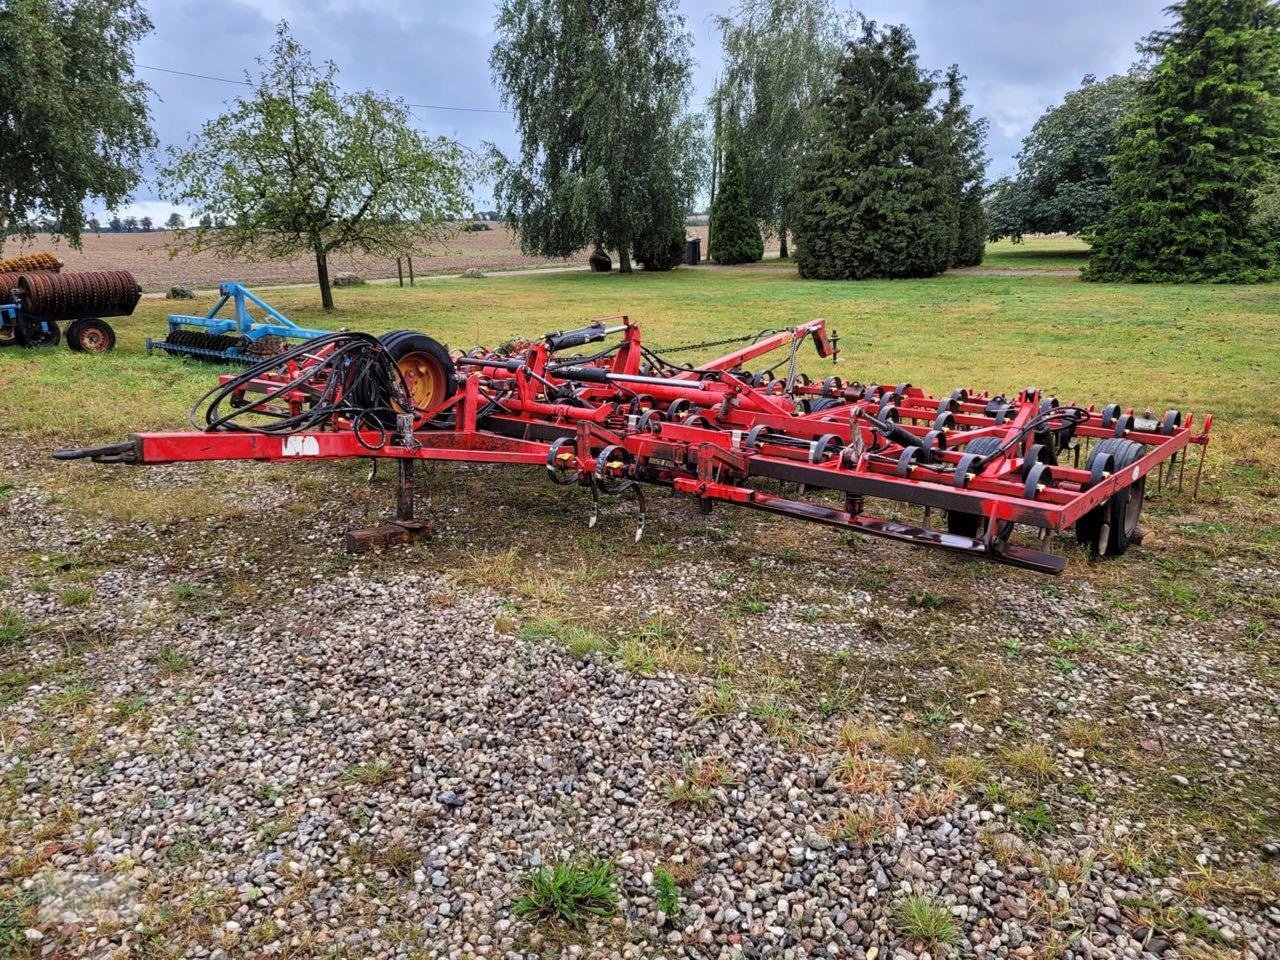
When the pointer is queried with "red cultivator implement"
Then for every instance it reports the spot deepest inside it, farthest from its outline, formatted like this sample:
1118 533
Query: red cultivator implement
622 417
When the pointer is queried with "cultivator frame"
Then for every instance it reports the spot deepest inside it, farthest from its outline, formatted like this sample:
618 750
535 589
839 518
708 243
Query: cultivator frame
624 418
238 338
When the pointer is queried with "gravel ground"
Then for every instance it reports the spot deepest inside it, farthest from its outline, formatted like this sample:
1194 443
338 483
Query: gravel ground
220 743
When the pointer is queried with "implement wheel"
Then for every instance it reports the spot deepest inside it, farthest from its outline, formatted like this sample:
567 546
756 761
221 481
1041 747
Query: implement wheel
32 333
425 365
972 524
1108 529
91 335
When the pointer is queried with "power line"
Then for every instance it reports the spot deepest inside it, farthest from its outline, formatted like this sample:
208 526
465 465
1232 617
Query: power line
246 83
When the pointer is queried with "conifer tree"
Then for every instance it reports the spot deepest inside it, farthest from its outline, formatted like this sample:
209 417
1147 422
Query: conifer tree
876 181
968 160
1204 134
734 231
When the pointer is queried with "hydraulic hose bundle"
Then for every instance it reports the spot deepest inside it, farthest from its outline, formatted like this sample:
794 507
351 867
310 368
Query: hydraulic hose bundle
355 380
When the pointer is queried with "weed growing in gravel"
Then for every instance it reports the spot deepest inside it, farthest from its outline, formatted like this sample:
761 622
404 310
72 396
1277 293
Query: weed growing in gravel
864 775
718 701
778 719
577 641
128 707
925 919
865 825
171 660
570 892
75 696
964 771
666 892
13 628
1084 734
398 859
1031 761
1034 822
366 774
683 793
75 596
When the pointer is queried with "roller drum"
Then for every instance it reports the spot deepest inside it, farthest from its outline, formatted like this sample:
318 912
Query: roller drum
67 296
31 263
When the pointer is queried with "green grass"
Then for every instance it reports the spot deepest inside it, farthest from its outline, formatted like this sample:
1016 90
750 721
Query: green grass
1056 253
1157 346
572 893
926 920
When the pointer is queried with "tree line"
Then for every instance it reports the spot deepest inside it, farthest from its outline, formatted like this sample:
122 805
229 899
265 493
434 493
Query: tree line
823 131
1171 172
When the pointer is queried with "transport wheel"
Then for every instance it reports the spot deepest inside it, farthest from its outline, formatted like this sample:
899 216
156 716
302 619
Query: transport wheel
32 334
425 365
971 524
91 335
1109 528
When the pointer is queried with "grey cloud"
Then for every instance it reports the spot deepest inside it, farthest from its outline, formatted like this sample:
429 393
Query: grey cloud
1019 56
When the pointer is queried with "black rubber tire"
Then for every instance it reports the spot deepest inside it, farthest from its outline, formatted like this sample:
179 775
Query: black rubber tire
401 343
824 403
100 335
971 524
39 338
1122 510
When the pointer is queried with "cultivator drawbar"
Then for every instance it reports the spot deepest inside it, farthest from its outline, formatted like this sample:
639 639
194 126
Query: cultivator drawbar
623 417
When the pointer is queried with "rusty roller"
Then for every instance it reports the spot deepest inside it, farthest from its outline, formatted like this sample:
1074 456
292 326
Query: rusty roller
8 283
31 263
65 296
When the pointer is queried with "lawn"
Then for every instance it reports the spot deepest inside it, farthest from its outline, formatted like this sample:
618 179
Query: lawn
961 657
1057 253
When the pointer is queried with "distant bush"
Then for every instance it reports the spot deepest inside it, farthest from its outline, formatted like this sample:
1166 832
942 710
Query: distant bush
476 226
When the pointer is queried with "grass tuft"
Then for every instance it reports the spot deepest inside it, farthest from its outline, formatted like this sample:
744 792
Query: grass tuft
666 892
572 893
925 919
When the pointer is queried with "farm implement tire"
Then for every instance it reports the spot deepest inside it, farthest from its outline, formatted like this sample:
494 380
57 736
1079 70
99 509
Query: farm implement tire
32 334
428 371
91 335
971 524
1108 529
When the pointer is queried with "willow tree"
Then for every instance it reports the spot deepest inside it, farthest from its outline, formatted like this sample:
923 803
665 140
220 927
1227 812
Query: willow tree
73 118
779 58
609 155
300 167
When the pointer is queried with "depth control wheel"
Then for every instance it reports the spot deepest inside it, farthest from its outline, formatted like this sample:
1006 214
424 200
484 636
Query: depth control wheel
1109 528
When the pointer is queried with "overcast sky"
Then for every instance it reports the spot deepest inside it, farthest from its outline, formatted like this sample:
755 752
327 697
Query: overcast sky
1020 56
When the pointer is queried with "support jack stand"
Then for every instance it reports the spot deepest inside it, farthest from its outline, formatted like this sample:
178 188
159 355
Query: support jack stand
404 529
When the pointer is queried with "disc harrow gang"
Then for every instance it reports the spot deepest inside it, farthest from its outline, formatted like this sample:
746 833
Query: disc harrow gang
746 429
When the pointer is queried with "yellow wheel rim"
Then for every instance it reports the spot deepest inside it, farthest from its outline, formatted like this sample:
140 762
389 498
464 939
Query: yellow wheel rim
425 378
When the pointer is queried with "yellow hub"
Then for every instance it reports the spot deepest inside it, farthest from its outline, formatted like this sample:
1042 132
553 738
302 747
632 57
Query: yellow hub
425 378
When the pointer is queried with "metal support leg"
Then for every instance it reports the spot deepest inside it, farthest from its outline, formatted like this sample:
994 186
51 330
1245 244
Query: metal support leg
404 529
404 490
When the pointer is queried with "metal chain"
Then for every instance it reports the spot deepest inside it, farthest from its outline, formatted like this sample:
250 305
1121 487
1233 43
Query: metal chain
748 338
